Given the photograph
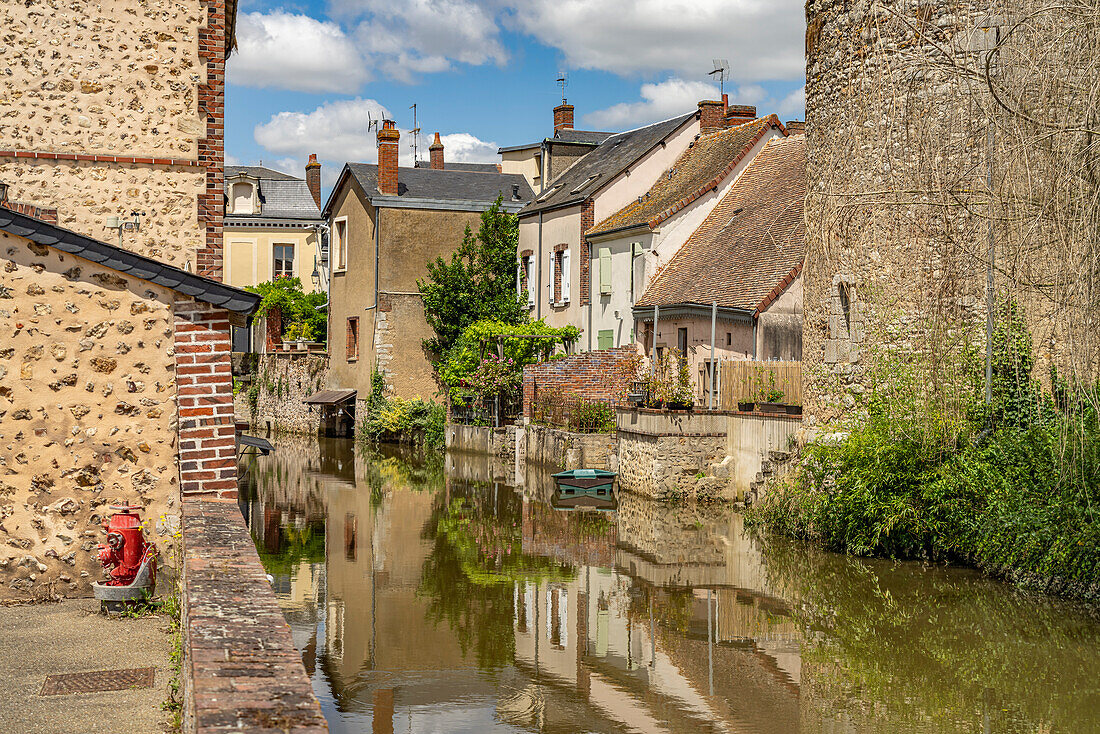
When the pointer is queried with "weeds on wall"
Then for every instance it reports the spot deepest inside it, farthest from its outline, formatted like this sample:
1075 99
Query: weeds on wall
1012 487
394 419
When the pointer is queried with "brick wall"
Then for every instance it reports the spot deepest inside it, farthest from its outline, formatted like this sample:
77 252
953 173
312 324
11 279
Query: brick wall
211 98
45 215
588 221
204 379
590 375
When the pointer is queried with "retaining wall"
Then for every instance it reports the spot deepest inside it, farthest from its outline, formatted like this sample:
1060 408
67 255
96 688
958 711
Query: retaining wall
661 454
284 380
241 670
750 440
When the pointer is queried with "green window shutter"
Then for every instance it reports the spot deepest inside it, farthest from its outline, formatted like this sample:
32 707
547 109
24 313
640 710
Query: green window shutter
605 339
605 271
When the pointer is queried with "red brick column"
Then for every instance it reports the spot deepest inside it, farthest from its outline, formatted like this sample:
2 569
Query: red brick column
588 221
204 389
211 104
273 328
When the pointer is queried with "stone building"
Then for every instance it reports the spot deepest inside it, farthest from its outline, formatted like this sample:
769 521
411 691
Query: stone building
385 225
114 365
113 115
922 188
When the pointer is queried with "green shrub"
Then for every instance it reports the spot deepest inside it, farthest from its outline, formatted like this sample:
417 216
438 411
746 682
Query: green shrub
416 421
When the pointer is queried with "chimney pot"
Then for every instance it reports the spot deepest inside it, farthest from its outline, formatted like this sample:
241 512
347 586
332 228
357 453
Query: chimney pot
313 178
388 137
563 117
436 150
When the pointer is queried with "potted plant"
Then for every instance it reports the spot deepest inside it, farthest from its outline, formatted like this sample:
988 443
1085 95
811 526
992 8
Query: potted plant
745 405
769 396
299 332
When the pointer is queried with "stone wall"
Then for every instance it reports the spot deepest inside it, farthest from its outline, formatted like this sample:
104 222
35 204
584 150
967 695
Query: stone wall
561 450
284 380
87 414
898 208
667 455
588 375
117 106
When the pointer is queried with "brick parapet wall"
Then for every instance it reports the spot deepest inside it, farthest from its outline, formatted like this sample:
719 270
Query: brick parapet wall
204 379
211 104
241 670
589 375
40 213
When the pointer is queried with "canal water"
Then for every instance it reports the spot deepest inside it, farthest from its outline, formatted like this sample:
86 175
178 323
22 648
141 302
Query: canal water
426 597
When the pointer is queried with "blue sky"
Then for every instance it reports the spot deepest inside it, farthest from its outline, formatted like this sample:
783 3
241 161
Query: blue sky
308 73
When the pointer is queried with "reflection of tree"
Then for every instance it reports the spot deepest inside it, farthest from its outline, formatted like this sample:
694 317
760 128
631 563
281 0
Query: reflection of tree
296 545
399 466
928 648
476 559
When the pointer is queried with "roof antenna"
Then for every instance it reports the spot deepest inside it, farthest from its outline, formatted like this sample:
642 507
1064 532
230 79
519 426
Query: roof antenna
415 134
372 124
722 69
563 80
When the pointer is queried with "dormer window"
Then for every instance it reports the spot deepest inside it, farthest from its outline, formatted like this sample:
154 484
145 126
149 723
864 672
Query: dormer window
243 198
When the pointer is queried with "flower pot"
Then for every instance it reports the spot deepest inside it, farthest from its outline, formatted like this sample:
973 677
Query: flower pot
680 406
794 410
773 407
745 406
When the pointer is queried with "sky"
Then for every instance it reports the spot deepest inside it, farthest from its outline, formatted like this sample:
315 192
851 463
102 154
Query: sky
308 75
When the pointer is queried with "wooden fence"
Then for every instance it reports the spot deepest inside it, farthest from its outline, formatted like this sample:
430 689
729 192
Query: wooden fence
749 381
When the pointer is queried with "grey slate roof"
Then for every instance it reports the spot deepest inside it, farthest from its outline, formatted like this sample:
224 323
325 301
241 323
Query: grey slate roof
129 263
604 162
428 183
282 196
473 167
589 137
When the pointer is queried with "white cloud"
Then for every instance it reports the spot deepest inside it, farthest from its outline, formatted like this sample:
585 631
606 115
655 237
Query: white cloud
666 99
763 39
793 106
291 51
337 132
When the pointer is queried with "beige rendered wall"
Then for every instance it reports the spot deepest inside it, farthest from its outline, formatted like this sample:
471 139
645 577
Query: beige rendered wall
87 414
113 77
527 162
352 291
562 226
739 334
249 254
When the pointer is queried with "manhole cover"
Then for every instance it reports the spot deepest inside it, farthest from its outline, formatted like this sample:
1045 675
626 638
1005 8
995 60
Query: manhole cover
97 680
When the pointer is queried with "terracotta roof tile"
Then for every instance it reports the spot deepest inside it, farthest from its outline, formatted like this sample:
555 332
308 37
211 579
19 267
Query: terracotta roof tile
699 169
752 244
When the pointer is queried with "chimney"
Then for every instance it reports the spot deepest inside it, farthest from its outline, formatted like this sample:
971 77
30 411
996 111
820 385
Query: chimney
313 178
436 149
710 116
739 114
563 117
388 136
795 127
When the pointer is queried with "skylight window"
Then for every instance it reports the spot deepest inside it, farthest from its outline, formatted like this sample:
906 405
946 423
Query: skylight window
548 193
587 181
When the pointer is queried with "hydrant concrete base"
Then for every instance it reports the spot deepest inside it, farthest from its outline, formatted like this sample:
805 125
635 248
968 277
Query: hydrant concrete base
115 598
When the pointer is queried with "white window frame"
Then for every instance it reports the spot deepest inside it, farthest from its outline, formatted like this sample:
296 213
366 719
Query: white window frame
252 206
565 273
294 269
339 245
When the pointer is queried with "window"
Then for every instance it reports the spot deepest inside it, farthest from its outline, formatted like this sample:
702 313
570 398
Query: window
559 265
729 339
527 278
283 257
340 244
565 276
605 339
242 197
353 338
682 344
605 271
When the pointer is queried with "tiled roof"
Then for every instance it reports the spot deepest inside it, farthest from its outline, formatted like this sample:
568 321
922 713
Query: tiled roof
450 185
473 167
700 168
603 163
753 242
129 263
282 196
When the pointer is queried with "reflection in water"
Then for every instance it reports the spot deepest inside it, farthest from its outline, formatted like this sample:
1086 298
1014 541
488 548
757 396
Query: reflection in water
426 598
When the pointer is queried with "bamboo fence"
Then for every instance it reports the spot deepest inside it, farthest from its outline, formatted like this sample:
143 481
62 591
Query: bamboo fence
748 381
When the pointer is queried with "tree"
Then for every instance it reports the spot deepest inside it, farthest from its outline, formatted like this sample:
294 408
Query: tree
303 314
478 283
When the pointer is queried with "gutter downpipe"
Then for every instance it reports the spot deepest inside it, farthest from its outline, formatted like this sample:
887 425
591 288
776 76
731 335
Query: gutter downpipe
590 299
713 366
653 358
538 301
755 324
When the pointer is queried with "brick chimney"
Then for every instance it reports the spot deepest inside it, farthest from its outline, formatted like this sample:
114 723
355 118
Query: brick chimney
436 150
563 117
388 136
711 116
795 127
739 114
313 178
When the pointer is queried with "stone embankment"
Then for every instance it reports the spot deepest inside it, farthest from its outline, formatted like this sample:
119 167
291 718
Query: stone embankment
272 395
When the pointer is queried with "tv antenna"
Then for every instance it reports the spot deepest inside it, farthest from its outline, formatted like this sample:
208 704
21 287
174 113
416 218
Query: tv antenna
722 70
372 123
415 134
563 80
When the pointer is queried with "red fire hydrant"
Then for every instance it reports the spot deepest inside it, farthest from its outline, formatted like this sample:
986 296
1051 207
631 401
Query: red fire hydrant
126 549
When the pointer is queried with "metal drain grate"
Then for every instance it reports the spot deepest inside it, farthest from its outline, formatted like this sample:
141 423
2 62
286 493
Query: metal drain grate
96 681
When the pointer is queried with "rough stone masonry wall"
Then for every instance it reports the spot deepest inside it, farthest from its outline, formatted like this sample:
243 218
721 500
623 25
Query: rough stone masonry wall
87 414
897 205
115 106
662 454
283 381
588 375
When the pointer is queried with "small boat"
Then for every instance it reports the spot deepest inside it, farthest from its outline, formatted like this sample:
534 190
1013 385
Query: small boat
593 482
